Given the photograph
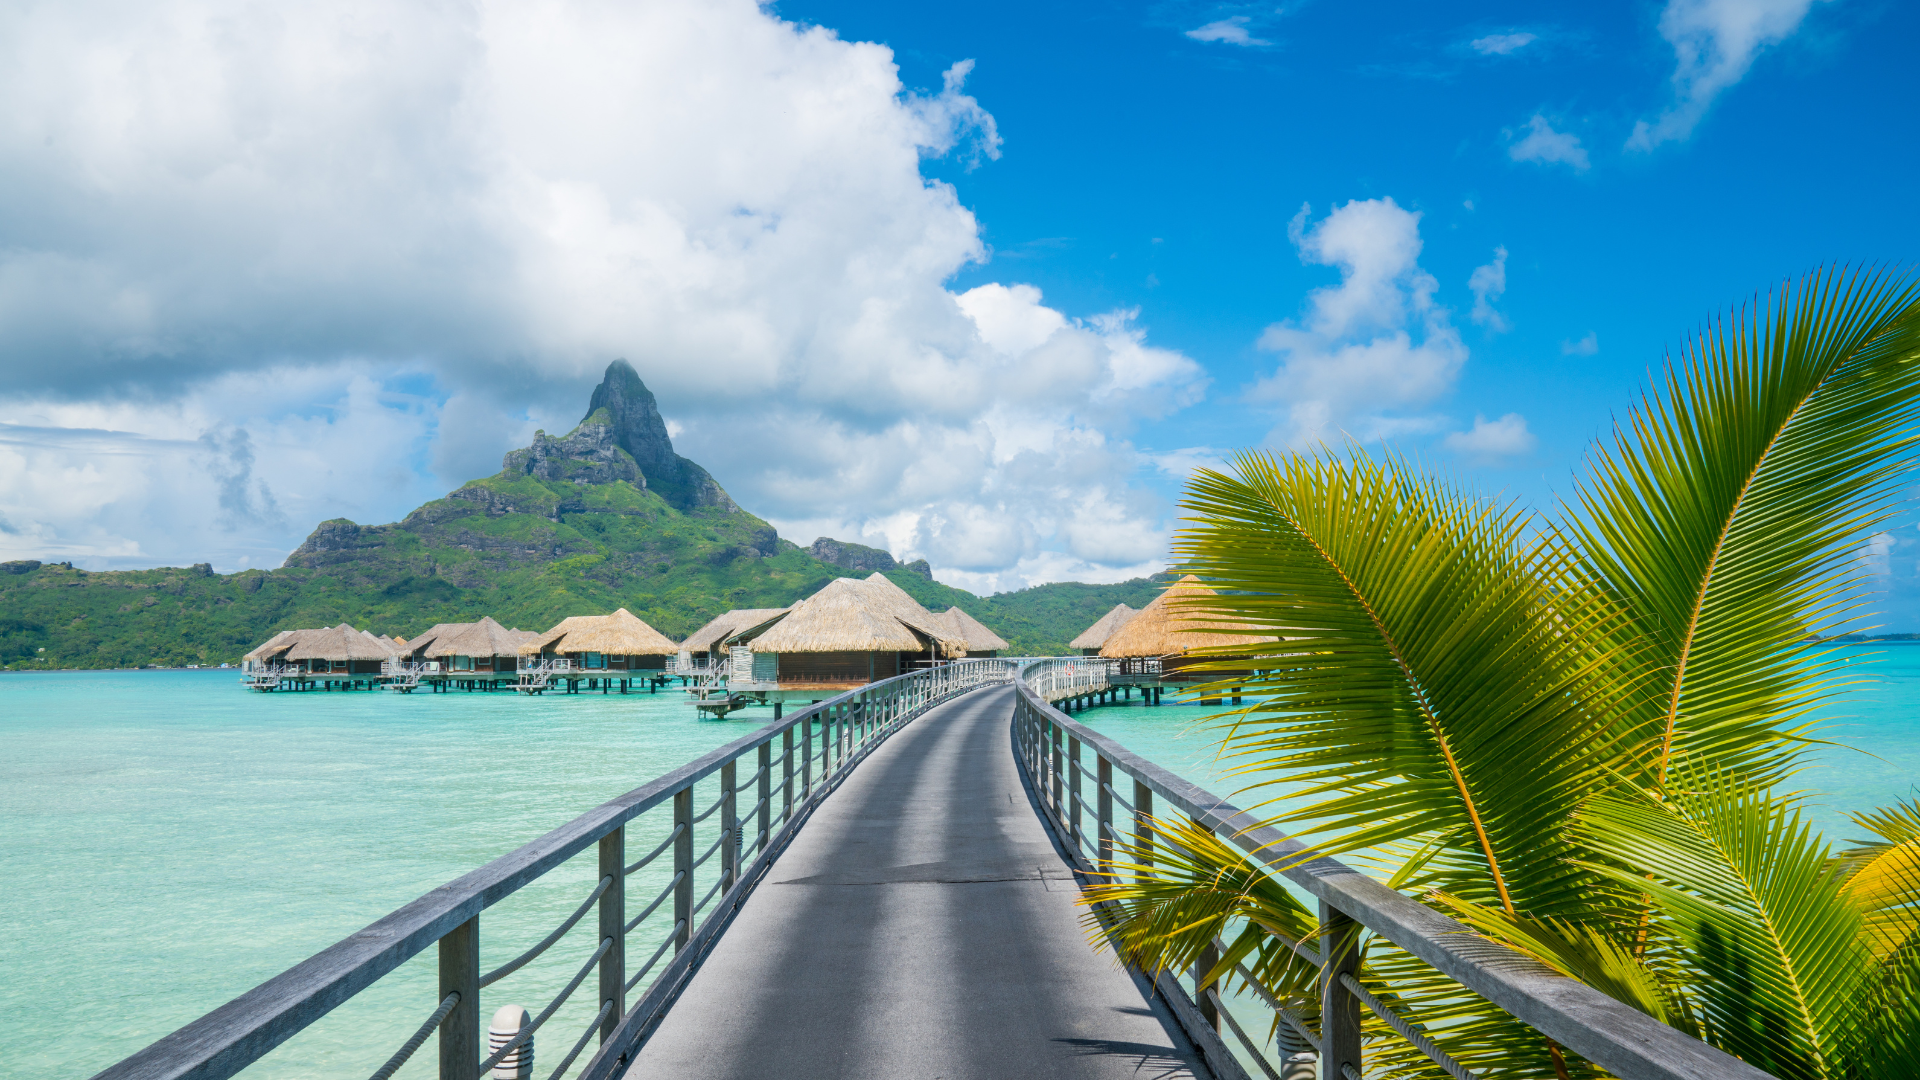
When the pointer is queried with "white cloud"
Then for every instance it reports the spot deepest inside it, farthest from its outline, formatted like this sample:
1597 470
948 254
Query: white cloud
1549 147
1502 44
375 268
1353 363
1488 283
1714 43
1586 346
1230 31
1490 441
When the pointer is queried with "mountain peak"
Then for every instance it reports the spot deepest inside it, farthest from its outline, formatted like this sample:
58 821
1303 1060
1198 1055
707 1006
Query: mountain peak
623 416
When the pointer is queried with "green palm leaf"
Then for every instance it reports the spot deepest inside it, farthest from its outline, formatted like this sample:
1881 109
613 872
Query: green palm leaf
1723 517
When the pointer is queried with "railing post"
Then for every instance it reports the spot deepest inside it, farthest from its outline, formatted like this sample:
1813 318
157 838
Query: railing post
1059 771
764 790
1074 802
806 765
729 825
683 867
1209 1012
1142 829
1103 776
613 924
1339 1009
460 974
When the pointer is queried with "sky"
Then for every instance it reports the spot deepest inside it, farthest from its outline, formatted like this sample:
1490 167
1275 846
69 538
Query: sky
979 283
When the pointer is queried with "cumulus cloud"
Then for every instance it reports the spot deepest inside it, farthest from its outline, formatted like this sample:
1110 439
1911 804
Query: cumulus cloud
1549 147
375 269
1370 349
1586 346
1502 44
1229 31
1492 441
1488 283
1714 43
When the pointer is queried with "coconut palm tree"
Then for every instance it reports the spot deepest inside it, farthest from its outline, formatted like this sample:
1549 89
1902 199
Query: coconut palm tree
1577 732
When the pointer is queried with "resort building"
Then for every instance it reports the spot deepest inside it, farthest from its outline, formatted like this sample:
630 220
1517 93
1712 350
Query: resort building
850 633
605 651
328 658
711 642
1093 637
981 642
1155 646
469 653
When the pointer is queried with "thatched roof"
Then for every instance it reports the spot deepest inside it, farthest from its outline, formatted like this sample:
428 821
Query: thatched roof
978 637
1168 627
341 642
1096 635
722 627
483 638
274 645
619 634
425 638
850 615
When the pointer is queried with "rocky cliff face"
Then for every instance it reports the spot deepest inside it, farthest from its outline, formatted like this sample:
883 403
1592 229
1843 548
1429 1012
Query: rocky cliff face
590 454
862 559
634 418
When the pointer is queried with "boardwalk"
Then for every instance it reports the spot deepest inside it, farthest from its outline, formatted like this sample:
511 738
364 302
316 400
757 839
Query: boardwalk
922 925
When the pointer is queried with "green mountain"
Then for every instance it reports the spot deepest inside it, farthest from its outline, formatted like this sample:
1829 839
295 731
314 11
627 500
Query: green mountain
605 516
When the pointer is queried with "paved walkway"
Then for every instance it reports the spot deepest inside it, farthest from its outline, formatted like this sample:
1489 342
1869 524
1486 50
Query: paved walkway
922 925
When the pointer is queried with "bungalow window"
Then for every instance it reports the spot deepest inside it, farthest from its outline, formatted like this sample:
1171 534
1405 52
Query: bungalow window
593 660
463 663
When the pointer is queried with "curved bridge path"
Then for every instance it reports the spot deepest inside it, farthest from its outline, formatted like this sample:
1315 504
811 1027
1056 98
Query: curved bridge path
922 925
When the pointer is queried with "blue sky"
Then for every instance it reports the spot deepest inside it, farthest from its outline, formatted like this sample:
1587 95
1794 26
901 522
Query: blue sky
976 283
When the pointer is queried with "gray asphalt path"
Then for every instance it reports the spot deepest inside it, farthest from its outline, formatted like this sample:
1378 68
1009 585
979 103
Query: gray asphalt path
921 925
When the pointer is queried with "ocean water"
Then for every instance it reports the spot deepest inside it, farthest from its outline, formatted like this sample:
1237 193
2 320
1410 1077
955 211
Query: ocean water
169 840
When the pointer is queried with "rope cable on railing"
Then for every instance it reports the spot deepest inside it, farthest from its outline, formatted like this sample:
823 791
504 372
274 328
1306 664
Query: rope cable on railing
605 1007
1407 1031
1291 1017
709 896
1259 1055
664 893
717 841
559 932
1124 804
1349 1073
655 853
708 812
655 958
401 1055
545 1014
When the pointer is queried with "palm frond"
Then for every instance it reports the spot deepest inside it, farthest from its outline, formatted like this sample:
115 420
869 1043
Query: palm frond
1431 683
1724 515
1764 911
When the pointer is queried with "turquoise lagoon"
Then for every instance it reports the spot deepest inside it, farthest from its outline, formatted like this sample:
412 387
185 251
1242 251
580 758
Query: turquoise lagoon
171 840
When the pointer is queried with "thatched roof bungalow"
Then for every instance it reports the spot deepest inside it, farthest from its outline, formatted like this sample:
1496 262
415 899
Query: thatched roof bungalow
483 649
981 642
604 643
1168 630
850 633
331 650
1090 639
711 640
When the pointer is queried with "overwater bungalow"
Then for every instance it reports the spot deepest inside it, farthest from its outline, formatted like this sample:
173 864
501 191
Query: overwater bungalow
473 656
981 642
328 658
711 642
1090 639
605 651
1155 646
850 633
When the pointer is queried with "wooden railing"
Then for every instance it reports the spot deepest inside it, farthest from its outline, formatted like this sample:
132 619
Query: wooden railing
783 770
1082 804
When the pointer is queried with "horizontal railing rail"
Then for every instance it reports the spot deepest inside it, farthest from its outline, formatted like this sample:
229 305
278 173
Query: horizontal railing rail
1617 1037
783 786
